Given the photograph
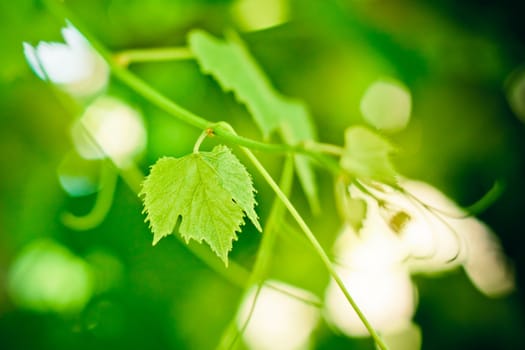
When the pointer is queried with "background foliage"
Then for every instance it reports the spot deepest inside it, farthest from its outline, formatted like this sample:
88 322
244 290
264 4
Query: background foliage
454 58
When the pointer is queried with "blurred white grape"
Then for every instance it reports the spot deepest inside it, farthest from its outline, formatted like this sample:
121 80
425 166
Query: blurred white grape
419 230
74 65
371 267
278 321
487 266
110 128
441 237
387 105
429 234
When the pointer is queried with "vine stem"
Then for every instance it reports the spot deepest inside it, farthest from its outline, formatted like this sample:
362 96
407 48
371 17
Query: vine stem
157 54
324 148
201 138
103 202
316 245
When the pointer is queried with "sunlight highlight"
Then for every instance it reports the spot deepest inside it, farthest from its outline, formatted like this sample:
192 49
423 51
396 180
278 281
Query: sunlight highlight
279 321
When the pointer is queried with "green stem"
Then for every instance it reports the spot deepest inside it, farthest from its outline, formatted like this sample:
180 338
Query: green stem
108 182
316 245
125 58
232 329
276 215
326 148
262 263
199 141
487 200
182 114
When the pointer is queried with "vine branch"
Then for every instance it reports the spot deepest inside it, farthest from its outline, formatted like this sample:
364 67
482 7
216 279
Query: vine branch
158 54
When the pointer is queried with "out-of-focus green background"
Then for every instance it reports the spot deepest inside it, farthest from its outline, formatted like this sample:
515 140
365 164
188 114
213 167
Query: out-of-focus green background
458 59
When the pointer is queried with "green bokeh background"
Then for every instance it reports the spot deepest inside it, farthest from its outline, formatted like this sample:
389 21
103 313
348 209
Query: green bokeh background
454 58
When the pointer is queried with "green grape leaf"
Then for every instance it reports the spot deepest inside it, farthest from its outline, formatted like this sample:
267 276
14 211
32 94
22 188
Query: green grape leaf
209 191
367 155
230 63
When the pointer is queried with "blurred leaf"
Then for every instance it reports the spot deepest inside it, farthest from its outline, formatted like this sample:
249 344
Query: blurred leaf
209 190
351 210
236 70
298 127
367 155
